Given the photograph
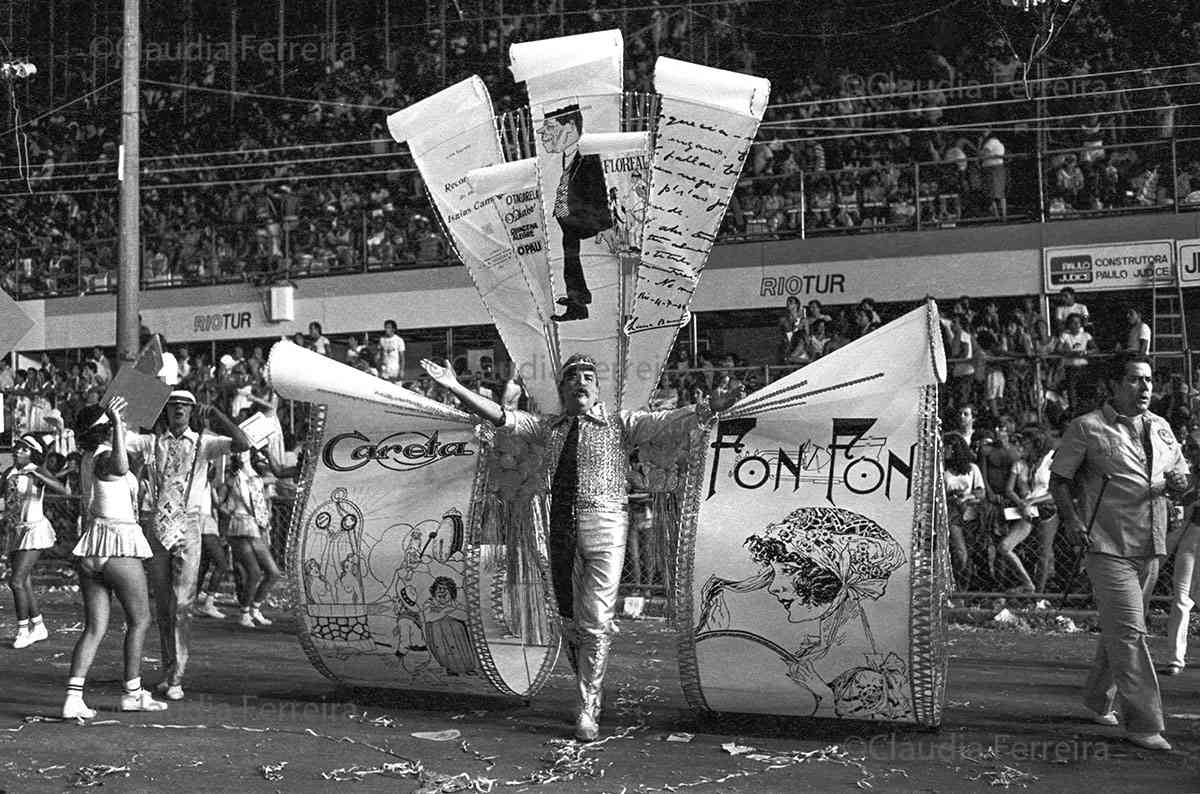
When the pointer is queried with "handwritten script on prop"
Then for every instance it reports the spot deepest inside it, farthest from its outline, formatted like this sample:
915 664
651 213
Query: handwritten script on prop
698 158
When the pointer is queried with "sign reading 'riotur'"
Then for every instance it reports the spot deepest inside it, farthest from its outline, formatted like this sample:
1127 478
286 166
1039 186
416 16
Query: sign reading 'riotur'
401 451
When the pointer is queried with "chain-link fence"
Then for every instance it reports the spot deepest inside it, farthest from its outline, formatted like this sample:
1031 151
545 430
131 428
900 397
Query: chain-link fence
981 563
984 568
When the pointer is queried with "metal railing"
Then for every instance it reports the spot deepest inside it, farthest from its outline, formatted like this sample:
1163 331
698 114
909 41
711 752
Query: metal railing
911 196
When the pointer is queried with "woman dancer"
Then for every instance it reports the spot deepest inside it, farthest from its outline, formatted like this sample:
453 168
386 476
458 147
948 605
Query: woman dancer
29 531
249 531
110 554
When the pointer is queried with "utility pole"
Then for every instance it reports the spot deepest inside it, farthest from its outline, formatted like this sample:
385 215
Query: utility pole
129 267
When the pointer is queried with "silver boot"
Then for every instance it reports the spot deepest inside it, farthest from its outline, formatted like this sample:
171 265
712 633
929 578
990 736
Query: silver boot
589 679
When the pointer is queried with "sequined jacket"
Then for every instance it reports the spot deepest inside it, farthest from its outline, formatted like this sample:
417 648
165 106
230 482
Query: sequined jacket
605 443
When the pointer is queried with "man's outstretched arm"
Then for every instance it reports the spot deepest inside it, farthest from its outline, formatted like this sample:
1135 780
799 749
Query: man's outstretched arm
443 375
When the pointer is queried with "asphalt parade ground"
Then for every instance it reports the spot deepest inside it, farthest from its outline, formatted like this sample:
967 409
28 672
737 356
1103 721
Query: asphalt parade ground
258 718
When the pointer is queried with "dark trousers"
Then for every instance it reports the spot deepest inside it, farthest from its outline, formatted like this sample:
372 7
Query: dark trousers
573 278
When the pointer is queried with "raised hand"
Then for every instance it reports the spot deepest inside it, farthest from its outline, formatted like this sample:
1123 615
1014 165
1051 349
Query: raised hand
115 408
442 374
724 398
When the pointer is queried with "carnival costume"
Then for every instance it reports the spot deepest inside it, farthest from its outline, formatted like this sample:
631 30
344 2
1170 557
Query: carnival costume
586 470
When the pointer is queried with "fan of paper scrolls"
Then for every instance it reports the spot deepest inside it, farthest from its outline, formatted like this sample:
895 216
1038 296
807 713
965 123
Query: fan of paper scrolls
585 222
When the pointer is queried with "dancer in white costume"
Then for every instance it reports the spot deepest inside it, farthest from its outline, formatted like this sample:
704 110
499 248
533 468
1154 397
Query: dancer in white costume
586 470
29 531
109 558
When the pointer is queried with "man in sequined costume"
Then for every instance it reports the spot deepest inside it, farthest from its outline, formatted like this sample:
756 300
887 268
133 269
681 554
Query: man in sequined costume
588 499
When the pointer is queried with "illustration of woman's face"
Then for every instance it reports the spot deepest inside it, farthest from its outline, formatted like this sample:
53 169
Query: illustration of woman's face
441 594
802 603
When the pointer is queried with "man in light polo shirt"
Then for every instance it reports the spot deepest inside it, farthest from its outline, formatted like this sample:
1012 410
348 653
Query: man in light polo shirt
175 476
1123 460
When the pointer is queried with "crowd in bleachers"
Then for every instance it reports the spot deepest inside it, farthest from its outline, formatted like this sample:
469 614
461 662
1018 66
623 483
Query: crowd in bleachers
929 134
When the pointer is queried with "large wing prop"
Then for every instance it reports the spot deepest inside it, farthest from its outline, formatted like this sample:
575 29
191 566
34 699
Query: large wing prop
811 560
400 586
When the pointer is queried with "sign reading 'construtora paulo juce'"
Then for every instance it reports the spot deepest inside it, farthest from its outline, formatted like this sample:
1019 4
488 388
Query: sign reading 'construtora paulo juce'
1094 268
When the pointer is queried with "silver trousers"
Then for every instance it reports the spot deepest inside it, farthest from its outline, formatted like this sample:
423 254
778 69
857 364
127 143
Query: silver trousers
595 577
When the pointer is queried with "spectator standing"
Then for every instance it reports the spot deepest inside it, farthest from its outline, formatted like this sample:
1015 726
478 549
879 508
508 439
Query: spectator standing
391 351
103 368
964 493
1137 333
317 341
1129 456
962 353
1185 579
991 152
1074 345
1039 451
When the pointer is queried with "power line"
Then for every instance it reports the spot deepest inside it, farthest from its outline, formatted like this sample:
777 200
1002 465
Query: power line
784 123
230 152
978 125
275 97
980 86
63 106
837 33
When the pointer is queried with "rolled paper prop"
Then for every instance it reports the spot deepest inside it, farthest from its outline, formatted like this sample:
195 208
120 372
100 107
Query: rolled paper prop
515 284
449 134
810 572
574 88
707 122
397 587
884 368
298 373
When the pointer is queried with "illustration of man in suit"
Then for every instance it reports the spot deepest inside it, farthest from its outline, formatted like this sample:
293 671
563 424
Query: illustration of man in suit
580 204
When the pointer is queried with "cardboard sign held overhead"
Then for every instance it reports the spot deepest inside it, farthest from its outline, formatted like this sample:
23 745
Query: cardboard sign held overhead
145 394
259 429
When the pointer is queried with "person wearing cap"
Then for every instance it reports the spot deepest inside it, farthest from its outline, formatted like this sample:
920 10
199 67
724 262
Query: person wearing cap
585 469
27 531
62 438
176 465
580 203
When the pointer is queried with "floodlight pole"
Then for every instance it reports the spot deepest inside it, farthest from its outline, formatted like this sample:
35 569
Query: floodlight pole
129 265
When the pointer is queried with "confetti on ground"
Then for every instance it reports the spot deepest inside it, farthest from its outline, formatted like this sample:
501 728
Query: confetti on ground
681 737
430 782
273 771
88 776
437 736
771 762
1001 775
433 783
1184 716
490 760
381 721
360 773
571 760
